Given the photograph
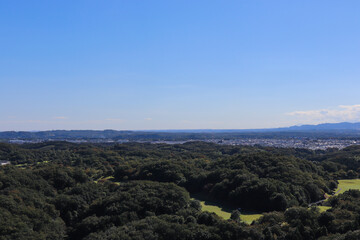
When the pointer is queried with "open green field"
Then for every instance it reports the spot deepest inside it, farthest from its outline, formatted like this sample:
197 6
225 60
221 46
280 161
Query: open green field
323 208
247 217
211 207
347 184
344 185
250 217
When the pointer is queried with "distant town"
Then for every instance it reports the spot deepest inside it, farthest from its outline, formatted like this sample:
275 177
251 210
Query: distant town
313 144
315 137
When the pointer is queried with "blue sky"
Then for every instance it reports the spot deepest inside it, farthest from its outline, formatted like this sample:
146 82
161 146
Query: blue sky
178 64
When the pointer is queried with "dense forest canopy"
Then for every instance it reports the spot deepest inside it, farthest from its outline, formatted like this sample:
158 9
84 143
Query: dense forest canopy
60 190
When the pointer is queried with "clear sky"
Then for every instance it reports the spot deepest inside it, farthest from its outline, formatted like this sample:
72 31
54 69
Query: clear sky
133 64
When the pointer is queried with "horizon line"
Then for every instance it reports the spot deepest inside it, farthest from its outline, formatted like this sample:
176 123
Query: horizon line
175 129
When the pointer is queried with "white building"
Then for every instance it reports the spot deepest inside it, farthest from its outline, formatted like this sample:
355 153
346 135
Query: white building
3 162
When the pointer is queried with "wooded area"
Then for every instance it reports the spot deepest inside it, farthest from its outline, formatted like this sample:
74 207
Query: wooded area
59 190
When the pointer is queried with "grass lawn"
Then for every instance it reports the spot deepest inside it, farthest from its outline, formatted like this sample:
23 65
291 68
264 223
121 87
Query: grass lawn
211 207
247 217
250 217
343 186
323 208
347 184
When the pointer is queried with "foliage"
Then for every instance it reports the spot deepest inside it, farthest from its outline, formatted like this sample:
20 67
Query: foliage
66 191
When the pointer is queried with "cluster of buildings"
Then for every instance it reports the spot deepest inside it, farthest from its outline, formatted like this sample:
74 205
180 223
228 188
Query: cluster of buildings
308 143
314 144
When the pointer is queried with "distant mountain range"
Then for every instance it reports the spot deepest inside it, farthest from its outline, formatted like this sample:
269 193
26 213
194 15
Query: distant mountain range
344 129
343 126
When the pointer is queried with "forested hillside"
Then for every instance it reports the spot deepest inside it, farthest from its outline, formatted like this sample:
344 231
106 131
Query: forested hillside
59 190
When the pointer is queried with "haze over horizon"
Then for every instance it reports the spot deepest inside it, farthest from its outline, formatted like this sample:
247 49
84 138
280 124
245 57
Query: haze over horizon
178 65
304 127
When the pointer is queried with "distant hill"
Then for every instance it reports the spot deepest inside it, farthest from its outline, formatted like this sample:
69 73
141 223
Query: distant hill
320 127
325 130
63 134
343 126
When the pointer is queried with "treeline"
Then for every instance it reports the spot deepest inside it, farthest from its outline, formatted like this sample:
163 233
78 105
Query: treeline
256 178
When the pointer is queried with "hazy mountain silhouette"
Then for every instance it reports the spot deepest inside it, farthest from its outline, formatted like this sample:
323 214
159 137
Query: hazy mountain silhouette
325 127
320 130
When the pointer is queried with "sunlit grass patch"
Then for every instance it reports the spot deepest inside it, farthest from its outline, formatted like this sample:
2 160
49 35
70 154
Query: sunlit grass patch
323 208
105 179
347 184
43 162
210 207
343 186
21 165
250 217
225 213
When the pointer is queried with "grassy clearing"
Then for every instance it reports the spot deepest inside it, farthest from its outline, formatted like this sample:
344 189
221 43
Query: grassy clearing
250 217
348 184
211 207
104 179
225 213
343 186
42 162
21 165
30 164
323 208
